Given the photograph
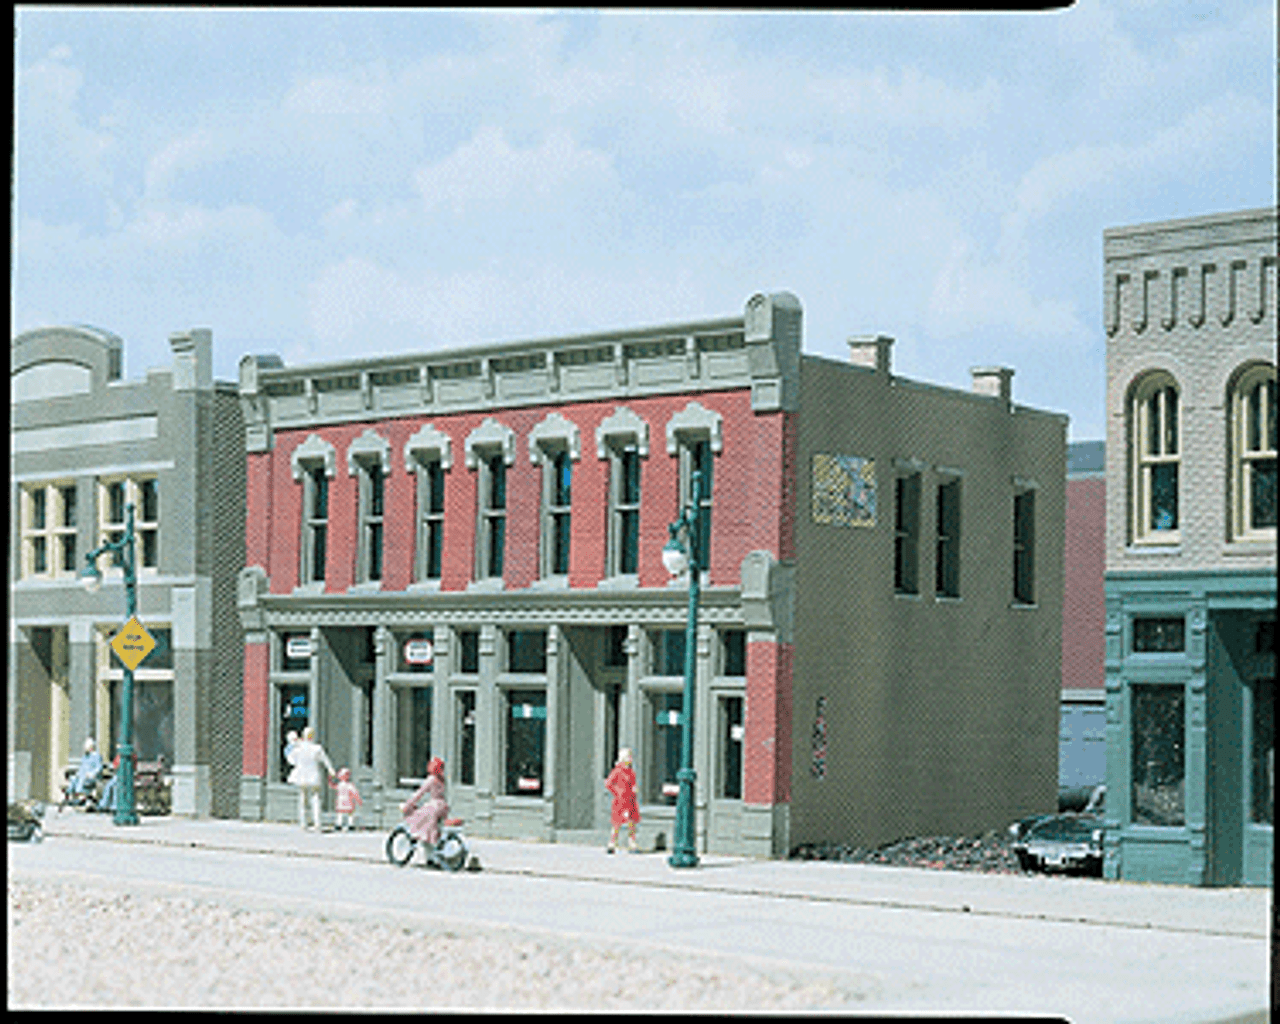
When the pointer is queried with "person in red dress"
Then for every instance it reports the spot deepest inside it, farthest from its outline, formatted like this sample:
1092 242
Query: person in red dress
622 784
424 821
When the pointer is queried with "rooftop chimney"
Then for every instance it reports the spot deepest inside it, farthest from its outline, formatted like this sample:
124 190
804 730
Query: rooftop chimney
996 381
872 351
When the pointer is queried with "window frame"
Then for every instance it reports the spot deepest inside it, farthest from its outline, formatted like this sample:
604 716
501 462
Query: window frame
55 535
554 445
491 517
1254 393
1150 454
428 456
622 433
146 531
313 463
1024 545
906 532
948 531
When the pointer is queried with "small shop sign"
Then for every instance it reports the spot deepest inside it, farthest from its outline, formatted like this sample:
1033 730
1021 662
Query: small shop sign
297 647
528 785
418 651
669 718
671 789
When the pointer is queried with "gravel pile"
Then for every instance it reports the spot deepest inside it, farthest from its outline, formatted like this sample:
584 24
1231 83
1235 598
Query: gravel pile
161 951
990 852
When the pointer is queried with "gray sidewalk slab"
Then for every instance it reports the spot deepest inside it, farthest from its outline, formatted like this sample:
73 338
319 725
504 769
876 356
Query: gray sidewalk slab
1244 912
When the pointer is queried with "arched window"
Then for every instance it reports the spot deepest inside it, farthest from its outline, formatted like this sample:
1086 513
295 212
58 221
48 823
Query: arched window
1155 444
1253 455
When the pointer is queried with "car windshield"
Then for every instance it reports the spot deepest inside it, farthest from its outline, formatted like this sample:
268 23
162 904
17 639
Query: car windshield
1074 829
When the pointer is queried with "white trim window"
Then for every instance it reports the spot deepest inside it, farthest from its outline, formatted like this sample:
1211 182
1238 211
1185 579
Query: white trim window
369 461
1154 441
49 530
556 445
696 436
1253 411
623 439
428 455
490 449
313 467
143 492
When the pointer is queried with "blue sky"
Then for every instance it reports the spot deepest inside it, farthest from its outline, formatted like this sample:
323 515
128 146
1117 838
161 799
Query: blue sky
331 183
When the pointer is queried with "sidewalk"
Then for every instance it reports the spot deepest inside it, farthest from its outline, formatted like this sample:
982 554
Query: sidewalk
1244 912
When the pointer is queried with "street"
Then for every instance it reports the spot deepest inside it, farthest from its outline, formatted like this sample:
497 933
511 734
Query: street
734 934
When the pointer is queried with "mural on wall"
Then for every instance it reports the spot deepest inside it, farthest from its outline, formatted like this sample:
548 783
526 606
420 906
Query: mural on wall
844 490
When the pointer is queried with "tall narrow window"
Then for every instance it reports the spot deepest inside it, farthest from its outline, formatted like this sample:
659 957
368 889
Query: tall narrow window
316 502
371 508
147 526
906 515
493 515
1155 440
1024 547
464 712
624 491
947 562
1254 444
696 457
67 530
430 519
557 470
1262 752
1158 752
730 729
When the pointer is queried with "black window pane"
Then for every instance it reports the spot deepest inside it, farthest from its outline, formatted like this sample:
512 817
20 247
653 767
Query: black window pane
630 478
413 732
668 652
375 551
1164 496
1158 769
69 554
150 549
731 736
526 735
1170 421
527 650
735 652
563 482
38 509
469 659
375 490
465 710
68 506
497 483
319 494
435 535
318 537
616 653
39 556
497 532
150 501
435 477
560 553
1262 494
629 542
1159 636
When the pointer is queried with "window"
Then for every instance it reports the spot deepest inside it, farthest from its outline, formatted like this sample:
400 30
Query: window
491 535
413 733
292 702
152 696
372 490
428 454
468 651
49 530
527 651
624 511
733 652
1154 425
369 461
696 457
947 561
661 785
557 482
1159 636
430 544
114 498
667 650
1254 444
315 524
1024 547
616 652
1158 751
730 733
526 741
464 744
906 533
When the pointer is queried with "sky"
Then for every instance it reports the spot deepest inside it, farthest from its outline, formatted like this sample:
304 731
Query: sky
334 183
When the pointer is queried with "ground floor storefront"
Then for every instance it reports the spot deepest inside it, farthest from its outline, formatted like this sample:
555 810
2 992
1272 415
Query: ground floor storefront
528 697
1190 727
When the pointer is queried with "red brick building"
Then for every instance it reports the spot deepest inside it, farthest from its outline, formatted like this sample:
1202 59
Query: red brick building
459 554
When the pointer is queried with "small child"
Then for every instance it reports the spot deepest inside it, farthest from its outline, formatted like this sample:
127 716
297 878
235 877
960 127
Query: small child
622 784
348 800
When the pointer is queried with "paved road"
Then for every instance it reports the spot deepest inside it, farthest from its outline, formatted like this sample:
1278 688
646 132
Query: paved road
902 939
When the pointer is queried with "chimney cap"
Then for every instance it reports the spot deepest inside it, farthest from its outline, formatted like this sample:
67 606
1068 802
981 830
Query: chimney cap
872 351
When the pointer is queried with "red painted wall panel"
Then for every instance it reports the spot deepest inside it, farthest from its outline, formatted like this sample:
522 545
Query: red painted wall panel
257 712
767 732
1083 600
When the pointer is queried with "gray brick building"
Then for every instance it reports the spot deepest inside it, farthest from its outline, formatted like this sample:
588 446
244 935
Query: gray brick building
1191 548
84 443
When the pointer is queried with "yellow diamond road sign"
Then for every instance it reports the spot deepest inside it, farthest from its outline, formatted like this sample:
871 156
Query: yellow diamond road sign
133 643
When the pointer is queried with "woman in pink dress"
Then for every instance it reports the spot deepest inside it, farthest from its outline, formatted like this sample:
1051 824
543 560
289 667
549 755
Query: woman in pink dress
424 821
622 784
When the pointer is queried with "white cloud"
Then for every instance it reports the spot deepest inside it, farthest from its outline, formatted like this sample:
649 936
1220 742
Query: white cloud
49 134
186 153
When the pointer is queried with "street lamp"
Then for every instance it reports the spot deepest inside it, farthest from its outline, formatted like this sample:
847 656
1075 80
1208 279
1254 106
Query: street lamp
91 579
680 558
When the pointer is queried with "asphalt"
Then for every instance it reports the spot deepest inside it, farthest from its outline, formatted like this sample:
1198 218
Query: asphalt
1238 912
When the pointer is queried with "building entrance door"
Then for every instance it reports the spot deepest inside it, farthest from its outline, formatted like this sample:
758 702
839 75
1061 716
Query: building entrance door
591 721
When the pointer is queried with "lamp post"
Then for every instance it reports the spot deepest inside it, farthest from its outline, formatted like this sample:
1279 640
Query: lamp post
91 577
680 558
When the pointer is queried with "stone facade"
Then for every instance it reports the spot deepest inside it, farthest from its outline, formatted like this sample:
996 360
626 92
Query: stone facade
1191 547
540 669
85 442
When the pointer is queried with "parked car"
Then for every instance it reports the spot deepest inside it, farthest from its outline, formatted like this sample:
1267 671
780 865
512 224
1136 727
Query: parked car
1069 842
24 820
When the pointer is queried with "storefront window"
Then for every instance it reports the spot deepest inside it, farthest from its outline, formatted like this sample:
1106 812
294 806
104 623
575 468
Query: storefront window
413 733
293 718
662 786
526 739
464 705
1263 757
152 718
527 651
1159 636
1158 755
731 734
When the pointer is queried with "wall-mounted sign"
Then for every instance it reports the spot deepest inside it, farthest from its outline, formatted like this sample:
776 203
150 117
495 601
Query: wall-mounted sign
528 785
671 789
418 651
297 647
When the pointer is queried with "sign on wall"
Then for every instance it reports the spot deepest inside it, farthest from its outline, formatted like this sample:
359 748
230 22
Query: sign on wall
844 490
297 647
418 651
